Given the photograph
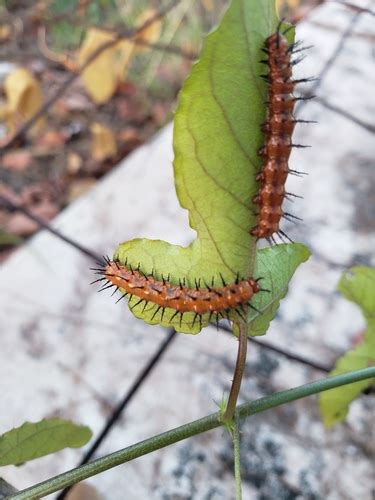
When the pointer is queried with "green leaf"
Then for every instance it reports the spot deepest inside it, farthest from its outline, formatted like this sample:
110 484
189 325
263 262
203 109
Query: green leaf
217 136
34 440
358 286
277 266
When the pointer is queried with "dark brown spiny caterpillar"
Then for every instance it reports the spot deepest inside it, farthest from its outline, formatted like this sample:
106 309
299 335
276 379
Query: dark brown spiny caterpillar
217 301
278 130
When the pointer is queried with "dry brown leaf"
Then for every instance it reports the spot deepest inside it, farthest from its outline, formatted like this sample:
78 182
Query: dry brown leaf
5 32
51 139
24 97
40 199
103 74
17 160
73 163
79 187
129 135
40 205
208 5
9 194
103 144
291 4
21 225
151 33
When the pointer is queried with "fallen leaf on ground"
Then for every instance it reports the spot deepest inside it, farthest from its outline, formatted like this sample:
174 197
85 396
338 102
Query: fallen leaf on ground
41 200
129 135
73 163
103 142
21 225
24 97
160 113
36 194
17 160
132 109
51 139
5 32
103 74
151 33
79 187
9 194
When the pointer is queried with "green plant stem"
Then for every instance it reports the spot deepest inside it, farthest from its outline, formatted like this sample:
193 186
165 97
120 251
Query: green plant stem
238 374
185 431
236 453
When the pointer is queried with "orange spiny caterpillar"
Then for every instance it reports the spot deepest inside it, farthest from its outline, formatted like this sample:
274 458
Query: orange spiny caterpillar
217 301
278 129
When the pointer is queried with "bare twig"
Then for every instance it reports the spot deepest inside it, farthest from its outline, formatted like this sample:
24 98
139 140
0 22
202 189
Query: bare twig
292 356
356 8
6 203
332 107
172 49
63 58
130 34
335 28
283 352
330 62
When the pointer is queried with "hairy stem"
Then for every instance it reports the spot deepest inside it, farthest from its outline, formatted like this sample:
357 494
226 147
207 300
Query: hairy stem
236 453
238 374
185 431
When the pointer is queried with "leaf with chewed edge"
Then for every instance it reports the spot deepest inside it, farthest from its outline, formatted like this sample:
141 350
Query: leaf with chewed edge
37 439
358 286
217 135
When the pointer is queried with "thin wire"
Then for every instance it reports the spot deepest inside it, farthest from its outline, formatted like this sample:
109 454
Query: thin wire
357 8
367 126
332 59
283 352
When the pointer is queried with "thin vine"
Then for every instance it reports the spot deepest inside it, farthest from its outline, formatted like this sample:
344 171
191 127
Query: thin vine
185 431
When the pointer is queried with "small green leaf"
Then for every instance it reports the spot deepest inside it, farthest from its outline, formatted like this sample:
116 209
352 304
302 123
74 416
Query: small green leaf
34 440
357 285
277 266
